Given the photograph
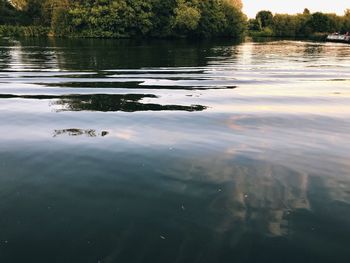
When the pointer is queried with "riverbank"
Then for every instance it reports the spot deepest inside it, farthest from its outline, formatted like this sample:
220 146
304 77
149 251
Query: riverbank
24 31
40 31
270 34
127 19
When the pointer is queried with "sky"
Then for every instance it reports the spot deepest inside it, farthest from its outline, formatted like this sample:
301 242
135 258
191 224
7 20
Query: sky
251 7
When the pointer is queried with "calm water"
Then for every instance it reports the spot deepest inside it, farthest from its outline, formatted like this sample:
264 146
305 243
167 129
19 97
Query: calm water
126 151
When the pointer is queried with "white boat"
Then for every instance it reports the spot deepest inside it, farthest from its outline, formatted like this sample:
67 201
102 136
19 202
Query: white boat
336 37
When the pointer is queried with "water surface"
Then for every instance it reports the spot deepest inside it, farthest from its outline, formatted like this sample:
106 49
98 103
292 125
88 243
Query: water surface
158 151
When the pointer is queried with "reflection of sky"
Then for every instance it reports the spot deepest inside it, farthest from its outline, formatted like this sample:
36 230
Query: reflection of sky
308 88
263 153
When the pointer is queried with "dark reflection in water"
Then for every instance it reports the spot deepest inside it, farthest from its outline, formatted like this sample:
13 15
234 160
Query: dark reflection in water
201 208
92 54
106 102
5 58
313 50
129 84
127 103
79 132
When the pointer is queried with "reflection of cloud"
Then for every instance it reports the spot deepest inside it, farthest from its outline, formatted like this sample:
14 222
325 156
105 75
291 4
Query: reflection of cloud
233 124
237 149
79 132
163 137
266 196
251 195
126 135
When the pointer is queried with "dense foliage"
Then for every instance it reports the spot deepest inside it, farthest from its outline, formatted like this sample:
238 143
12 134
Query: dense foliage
159 18
23 31
136 18
299 25
10 15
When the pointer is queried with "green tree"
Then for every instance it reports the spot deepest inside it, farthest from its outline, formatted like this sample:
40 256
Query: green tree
235 3
320 22
137 18
187 16
7 13
254 25
162 21
19 4
306 12
235 21
60 22
211 22
346 21
285 25
304 28
265 18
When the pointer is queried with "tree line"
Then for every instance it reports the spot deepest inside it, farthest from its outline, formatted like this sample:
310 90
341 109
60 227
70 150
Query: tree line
129 18
305 24
158 18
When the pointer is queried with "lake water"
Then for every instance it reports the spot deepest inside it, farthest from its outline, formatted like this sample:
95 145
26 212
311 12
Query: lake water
174 151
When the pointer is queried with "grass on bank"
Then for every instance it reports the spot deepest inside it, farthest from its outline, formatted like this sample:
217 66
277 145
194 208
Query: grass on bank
23 31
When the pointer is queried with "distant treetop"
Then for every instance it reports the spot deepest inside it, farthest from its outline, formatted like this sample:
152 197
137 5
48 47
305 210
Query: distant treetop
236 3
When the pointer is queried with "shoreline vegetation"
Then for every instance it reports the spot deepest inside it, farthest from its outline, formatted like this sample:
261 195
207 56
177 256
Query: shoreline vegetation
123 18
159 19
307 25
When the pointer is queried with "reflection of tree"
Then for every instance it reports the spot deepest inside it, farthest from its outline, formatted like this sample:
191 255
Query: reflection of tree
132 83
79 132
5 56
127 103
106 102
98 54
26 54
313 49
